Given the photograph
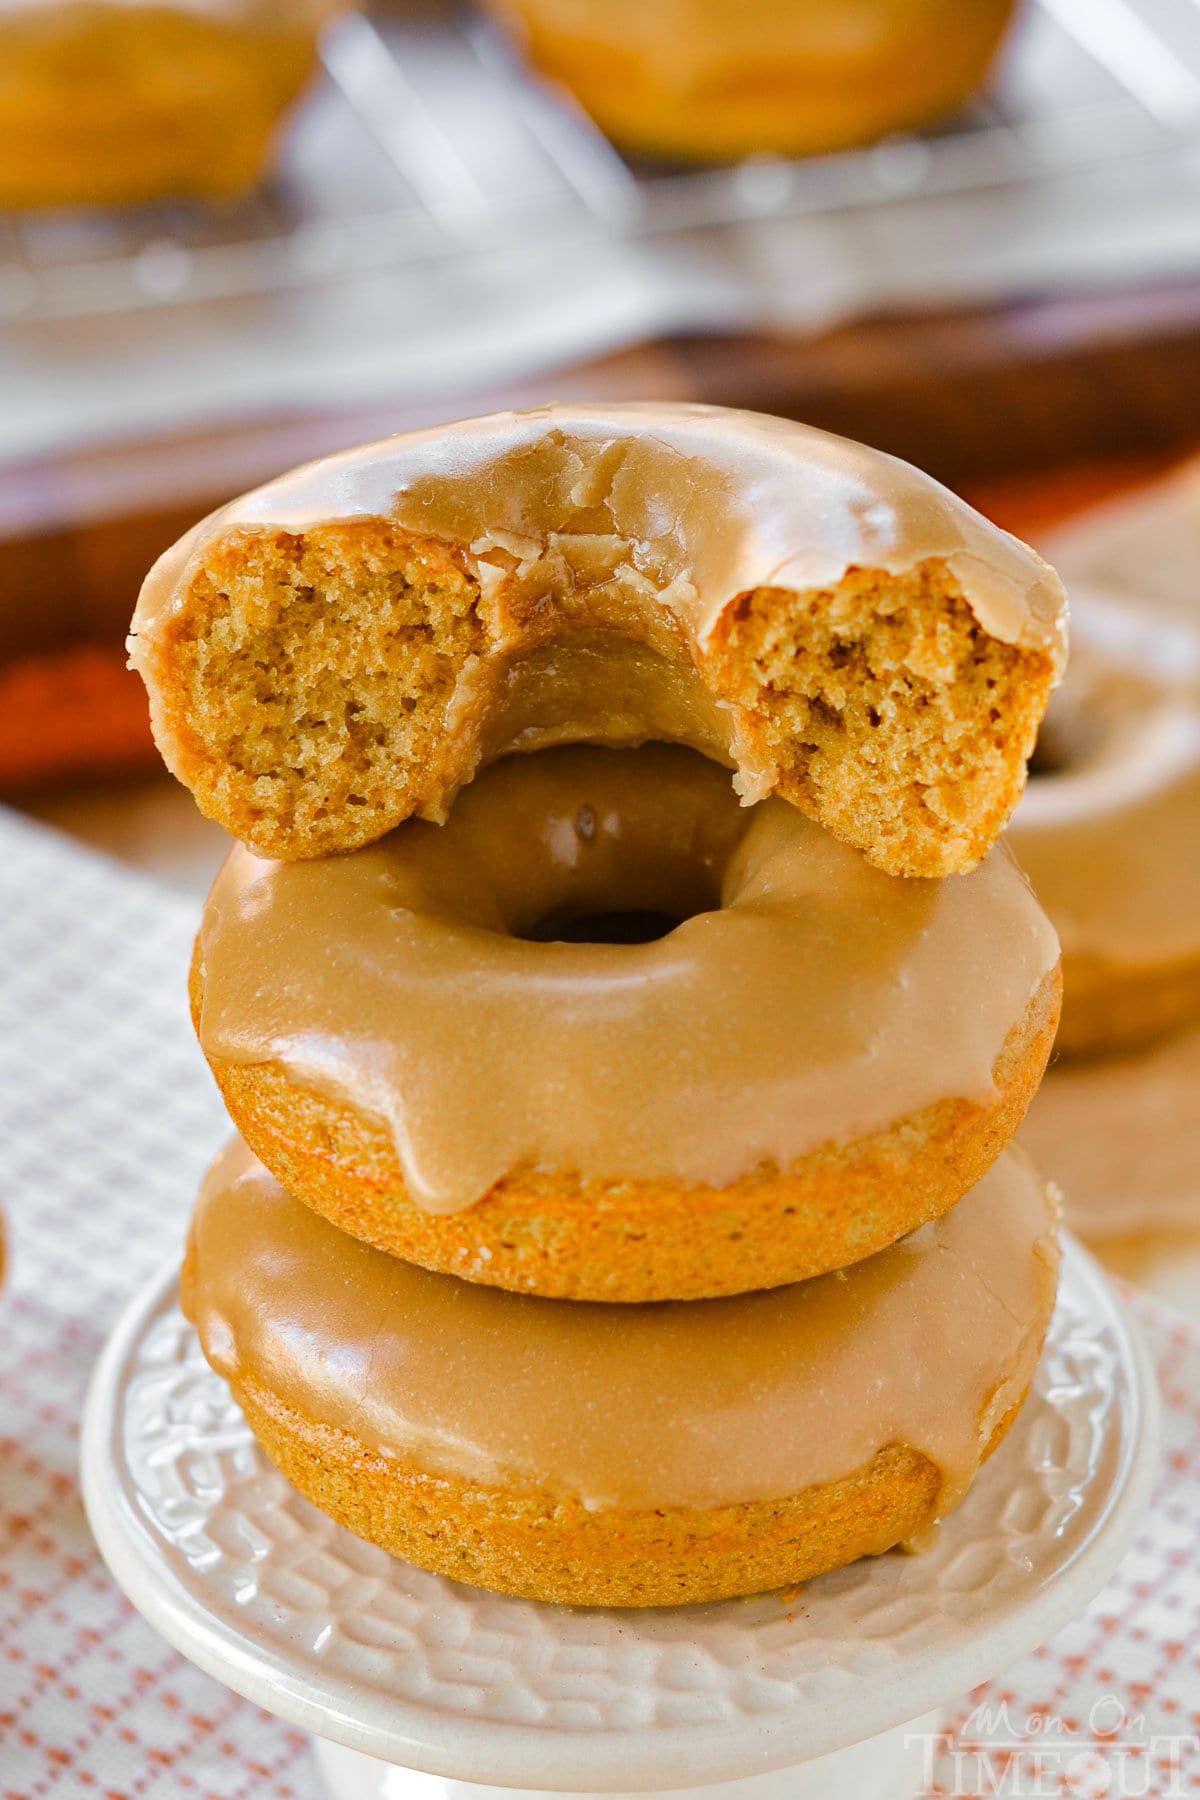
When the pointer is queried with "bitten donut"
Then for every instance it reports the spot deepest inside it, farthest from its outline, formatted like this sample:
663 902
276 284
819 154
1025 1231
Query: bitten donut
117 102
638 1456
704 78
807 1059
1108 832
346 646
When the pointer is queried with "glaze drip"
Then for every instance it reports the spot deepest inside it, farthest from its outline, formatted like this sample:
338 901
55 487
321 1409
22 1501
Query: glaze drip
698 1404
806 998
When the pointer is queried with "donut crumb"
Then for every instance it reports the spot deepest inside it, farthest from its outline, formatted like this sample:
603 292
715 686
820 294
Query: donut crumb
311 669
315 688
888 712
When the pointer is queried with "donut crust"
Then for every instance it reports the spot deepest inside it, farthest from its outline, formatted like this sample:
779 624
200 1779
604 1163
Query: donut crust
628 1240
540 1547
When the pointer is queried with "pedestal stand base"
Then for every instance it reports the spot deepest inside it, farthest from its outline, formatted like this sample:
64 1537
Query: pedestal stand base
892 1766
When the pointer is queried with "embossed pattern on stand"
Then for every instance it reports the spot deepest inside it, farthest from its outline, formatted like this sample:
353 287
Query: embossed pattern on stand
249 1550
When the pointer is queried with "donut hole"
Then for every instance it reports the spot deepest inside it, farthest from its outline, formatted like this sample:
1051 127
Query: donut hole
629 925
635 896
1050 756
586 845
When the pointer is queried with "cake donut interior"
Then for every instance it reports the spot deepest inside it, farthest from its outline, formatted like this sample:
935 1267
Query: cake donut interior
620 991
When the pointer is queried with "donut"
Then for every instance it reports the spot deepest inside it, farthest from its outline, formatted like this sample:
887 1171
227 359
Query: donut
431 1042
1120 1135
344 648
624 1456
706 79
118 102
1108 832
1143 548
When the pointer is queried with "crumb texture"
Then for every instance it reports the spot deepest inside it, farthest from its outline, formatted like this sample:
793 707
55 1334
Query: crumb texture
890 715
309 672
317 688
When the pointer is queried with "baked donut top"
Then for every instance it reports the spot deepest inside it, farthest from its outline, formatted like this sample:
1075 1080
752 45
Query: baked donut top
1108 829
344 647
801 998
702 1403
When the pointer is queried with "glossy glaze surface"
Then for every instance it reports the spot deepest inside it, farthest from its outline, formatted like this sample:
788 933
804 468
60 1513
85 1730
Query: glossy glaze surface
804 998
700 1404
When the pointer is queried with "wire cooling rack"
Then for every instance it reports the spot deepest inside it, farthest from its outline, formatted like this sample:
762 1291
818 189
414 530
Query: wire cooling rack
428 141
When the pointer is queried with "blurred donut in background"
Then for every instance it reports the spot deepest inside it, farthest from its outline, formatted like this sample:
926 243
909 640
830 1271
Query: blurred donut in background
1108 829
1121 1137
1109 833
112 102
703 79
1144 544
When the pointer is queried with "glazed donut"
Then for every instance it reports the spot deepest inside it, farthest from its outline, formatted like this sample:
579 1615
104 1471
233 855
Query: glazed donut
117 102
639 1456
702 78
1121 1137
345 647
1108 832
786 1079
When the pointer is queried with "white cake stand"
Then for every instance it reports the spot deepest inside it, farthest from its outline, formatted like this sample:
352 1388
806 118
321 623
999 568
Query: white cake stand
413 1685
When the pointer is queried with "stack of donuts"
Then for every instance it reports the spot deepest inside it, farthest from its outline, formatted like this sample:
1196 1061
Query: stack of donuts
620 994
